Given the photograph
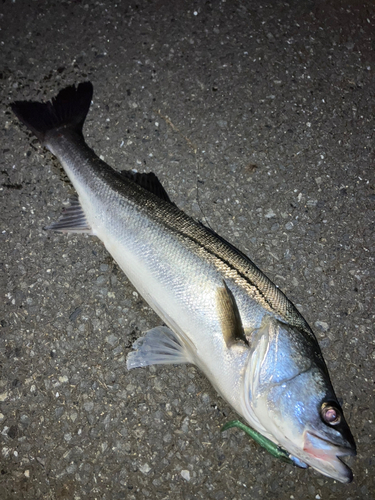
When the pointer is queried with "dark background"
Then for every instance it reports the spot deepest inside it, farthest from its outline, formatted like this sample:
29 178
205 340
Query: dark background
258 118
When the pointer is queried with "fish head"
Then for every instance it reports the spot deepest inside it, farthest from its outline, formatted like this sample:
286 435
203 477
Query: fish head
291 395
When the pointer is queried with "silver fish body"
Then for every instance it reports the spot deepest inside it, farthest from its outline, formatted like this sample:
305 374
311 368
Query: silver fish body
223 314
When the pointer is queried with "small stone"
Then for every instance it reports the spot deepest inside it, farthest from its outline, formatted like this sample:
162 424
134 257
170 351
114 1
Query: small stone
269 214
206 398
112 339
158 385
322 325
117 350
59 411
185 425
88 406
185 474
25 419
27 473
167 438
311 203
71 468
145 468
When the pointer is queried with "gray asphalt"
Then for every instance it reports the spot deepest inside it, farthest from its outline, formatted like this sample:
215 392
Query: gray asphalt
258 118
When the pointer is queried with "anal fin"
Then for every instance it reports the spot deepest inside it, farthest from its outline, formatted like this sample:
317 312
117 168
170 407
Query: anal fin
160 346
72 219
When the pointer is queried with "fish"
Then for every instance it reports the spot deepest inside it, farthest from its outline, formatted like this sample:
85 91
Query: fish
218 310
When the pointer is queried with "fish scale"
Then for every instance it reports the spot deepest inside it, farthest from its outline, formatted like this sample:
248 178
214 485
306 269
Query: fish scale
125 202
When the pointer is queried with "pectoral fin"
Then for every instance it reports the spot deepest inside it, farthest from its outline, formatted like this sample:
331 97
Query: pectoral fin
230 318
160 346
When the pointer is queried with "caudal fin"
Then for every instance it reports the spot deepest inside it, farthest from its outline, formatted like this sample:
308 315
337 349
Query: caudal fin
68 109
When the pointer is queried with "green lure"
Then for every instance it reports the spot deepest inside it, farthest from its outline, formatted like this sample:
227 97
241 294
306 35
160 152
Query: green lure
271 447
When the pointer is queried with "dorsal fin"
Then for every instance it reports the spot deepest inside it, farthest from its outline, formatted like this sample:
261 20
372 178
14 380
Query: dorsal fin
148 181
230 319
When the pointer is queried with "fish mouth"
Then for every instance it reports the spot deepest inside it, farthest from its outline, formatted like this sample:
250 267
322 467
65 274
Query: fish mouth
325 456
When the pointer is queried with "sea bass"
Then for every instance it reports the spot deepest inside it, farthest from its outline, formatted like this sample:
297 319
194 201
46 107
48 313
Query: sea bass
222 313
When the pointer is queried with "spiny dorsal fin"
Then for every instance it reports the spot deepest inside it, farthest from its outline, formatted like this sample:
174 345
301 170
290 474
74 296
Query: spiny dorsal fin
148 181
72 219
230 319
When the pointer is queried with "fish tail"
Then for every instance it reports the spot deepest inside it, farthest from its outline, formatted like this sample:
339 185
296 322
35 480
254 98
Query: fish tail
68 109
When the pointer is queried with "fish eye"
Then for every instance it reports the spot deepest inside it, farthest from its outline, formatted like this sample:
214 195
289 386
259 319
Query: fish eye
330 414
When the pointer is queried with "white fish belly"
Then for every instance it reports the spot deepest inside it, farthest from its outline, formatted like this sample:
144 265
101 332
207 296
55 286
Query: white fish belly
182 291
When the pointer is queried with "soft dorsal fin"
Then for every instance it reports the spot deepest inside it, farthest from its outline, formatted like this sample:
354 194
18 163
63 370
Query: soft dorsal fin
148 181
230 318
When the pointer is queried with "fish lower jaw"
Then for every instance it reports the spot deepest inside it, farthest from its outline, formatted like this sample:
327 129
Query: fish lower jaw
325 457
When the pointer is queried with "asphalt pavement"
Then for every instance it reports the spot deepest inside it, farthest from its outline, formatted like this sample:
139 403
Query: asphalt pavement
258 118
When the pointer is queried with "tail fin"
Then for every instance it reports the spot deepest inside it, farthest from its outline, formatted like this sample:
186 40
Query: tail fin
69 108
